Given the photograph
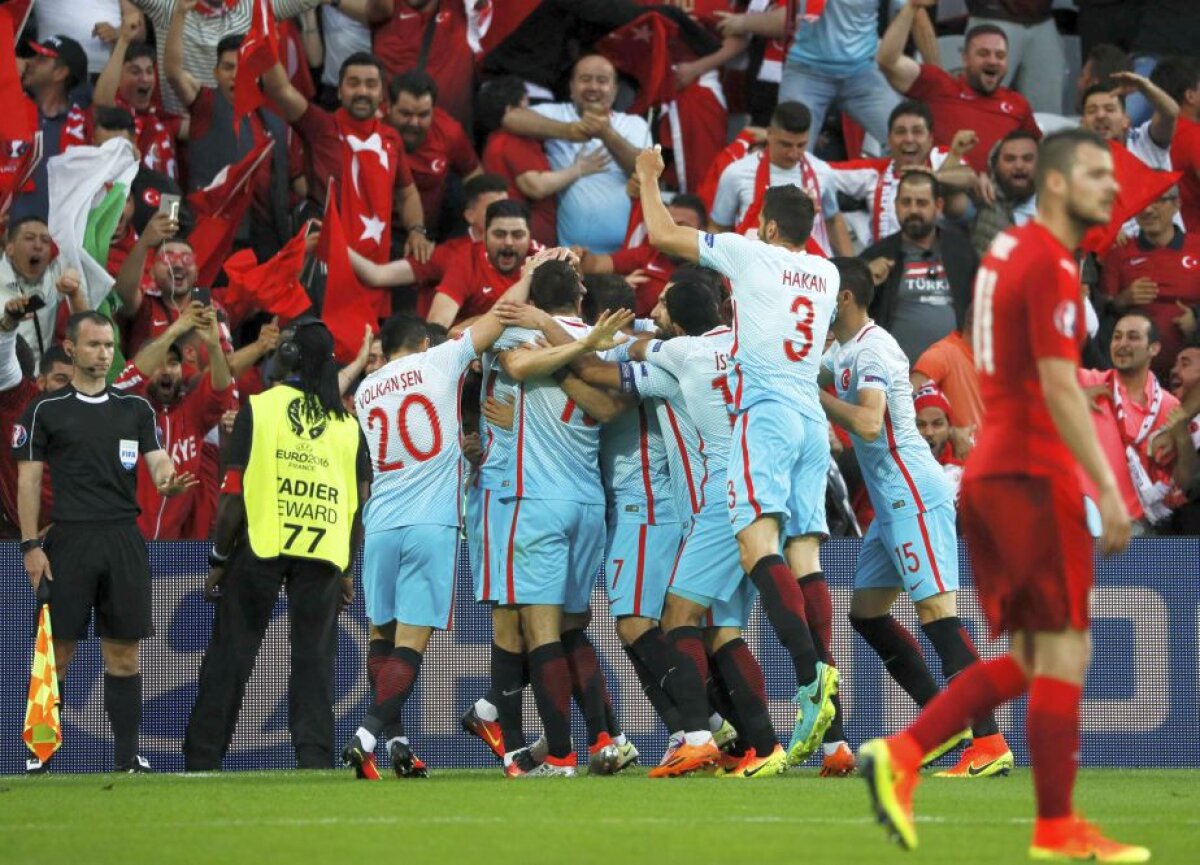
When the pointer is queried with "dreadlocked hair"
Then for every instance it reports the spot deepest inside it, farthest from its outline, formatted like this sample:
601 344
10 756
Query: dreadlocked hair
318 373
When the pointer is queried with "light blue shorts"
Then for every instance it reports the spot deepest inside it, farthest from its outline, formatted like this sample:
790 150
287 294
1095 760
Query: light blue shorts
408 575
638 564
777 465
552 553
733 613
709 564
473 527
494 529
918 553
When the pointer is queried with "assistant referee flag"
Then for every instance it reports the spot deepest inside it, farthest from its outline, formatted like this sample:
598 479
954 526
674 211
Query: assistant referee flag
43 732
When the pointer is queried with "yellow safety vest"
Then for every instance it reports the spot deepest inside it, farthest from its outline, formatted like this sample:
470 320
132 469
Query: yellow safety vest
300 485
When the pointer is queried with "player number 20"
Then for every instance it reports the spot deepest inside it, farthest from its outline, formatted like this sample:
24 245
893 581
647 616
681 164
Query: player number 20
798 349
378 418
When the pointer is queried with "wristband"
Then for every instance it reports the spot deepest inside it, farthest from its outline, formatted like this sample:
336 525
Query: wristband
215 559
31 544
419 229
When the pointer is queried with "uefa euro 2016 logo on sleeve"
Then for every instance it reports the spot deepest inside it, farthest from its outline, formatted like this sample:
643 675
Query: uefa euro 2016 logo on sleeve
128 453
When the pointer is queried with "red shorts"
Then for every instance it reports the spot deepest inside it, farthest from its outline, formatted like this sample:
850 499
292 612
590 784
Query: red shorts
1030 550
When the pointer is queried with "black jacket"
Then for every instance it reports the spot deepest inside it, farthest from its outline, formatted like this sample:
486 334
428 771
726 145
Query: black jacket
958 257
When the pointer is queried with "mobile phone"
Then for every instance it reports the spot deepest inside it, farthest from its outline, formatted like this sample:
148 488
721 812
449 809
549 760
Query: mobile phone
34 303
202 295
169 204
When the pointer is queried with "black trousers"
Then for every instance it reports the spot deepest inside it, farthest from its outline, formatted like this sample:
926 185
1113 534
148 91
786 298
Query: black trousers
251 587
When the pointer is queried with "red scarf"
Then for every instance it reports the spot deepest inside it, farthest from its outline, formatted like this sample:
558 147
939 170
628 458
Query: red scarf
810 184
155 141
77 130
368 171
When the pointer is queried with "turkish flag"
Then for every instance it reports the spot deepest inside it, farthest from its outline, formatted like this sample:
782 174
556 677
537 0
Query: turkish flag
220 208
259 52
640 50
491 22
18 114
348 306
273 285
1140 184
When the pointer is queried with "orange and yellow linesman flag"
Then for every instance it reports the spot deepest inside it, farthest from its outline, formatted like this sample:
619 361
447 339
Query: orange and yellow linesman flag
43 732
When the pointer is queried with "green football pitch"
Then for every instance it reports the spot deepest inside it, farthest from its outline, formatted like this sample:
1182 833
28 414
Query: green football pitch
481 818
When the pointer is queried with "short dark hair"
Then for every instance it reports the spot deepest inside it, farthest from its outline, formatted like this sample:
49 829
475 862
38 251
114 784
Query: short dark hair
1057 153
792 211
437 333
482 184
1152 330
138 50
920 175
1105 88
606 291
693 203
232 42
78 318
505 208
1177 75
705 275
856 279
494 98
1107 59
360 58
913 108
50 356
414 82
403 332
691 305
14 227
555 286
114 119
1015 135
792 117
983 30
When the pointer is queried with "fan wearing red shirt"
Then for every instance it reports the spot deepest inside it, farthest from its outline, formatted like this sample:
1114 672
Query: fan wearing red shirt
645 267
183 419
974 100
399 29
1022 509
1179 77
434 141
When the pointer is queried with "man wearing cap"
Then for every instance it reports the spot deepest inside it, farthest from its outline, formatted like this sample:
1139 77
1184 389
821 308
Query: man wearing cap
57 67
933 423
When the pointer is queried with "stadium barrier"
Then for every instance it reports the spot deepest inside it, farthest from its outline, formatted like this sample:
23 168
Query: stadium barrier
1141 705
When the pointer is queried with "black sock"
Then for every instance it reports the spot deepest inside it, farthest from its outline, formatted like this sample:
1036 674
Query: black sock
587 682
686 677
551 681
651 657
717 690
123 705
509 677
901 655
396 679
378 651
783 602
748 692
956 652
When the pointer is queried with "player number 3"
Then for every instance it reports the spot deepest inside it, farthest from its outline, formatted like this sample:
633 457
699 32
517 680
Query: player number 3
798 349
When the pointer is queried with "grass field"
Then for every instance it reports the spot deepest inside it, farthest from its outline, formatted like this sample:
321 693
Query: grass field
481 818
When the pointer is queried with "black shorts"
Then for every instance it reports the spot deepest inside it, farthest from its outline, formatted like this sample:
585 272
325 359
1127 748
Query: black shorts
104 566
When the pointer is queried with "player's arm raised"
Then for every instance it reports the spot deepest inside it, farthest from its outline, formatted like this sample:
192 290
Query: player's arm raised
677 240
865 420
522 364
508 308
1068 409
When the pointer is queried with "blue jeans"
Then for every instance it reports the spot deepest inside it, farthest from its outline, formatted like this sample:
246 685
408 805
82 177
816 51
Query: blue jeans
866 96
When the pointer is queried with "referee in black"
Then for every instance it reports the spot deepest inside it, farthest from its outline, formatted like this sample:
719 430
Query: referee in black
91 435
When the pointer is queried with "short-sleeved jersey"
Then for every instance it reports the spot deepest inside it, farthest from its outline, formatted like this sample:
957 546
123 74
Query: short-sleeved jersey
700 364
783 303
91 443
409 412
685 461
556 445
498 443
901 475
1028 306
633 465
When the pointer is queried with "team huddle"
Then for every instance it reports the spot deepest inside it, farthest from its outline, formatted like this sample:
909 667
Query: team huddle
688 456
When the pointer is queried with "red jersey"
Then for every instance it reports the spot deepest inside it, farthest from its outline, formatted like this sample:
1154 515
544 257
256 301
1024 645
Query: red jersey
445 148
956 105
1028 306
426 275
473 283
1185 157
656 266
12 405
510 156
181 429
397 42
154 316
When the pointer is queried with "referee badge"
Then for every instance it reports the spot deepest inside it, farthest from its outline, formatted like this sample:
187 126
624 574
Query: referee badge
128 452
19 435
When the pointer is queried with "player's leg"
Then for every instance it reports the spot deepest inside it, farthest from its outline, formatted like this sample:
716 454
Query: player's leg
743 678
123 701
551 680
314 602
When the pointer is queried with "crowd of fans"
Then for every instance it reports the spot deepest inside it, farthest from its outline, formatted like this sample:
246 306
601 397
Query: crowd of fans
461 135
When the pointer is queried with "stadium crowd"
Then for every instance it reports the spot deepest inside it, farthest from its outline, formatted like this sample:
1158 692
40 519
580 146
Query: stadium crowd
205 171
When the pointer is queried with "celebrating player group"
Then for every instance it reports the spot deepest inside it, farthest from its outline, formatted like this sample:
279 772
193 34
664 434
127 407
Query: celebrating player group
688 455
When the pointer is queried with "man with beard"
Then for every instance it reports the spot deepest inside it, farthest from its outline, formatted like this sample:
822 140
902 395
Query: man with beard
29 268
645 268
183 418
975 100
923 272
434 142
481 272
1012 165
933 423
354 141
1104 114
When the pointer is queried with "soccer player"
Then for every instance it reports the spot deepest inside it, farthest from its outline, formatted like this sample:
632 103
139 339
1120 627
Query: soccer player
783 300
409 412
912 544
1023 512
